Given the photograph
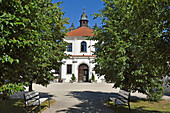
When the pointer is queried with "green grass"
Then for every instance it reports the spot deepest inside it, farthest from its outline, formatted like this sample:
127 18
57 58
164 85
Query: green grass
17 105
143 106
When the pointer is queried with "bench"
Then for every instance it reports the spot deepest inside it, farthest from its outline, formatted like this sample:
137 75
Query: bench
122 99
33 99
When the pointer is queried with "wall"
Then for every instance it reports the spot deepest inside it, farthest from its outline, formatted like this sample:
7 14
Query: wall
76 61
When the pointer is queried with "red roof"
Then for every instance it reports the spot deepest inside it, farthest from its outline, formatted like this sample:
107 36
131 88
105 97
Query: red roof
82 31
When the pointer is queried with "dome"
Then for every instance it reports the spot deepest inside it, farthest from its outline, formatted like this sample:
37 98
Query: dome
84 16
72 27
84 19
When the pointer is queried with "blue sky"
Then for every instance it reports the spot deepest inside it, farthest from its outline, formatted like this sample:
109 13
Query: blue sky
74 8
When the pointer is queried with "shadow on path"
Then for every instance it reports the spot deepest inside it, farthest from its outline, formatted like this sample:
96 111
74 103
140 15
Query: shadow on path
92 102
167 93
46 95
95 102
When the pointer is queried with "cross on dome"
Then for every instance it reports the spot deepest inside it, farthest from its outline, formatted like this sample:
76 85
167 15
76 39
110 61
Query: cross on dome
83 10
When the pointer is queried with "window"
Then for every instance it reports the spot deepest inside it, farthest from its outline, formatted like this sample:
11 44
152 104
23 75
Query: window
95 49
69 48
83 46
69 69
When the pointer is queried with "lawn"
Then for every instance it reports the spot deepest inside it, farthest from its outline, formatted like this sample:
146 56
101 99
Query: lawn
17 105
144 106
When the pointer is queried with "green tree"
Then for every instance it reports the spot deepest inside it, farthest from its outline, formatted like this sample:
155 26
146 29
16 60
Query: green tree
133 44
31 42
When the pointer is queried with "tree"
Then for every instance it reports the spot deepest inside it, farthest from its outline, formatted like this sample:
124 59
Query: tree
133 45
31 42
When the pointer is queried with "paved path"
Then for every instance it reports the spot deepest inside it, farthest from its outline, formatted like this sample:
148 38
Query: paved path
80 97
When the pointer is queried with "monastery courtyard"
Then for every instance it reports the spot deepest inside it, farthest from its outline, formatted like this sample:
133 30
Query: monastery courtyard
80 97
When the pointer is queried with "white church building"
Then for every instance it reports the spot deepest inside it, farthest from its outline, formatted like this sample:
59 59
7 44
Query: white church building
81 52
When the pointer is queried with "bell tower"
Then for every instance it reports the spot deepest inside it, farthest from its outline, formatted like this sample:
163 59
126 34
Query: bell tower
84 19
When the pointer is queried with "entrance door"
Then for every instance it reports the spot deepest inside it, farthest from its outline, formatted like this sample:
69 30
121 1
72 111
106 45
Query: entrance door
83 73
85 77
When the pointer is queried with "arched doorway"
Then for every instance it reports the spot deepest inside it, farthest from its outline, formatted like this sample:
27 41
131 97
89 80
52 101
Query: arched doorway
83 71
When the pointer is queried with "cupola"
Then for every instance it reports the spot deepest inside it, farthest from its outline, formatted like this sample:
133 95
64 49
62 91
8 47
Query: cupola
72 27
84 19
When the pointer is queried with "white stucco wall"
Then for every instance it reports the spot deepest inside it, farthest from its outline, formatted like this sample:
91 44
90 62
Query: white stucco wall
76 45
76 50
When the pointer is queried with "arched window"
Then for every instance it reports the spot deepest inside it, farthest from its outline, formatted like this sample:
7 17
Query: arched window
83 47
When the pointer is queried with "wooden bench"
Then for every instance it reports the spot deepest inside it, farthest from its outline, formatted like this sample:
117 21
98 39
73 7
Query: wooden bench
33 99
122 99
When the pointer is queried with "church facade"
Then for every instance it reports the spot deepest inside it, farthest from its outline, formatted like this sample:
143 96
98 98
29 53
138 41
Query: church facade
81 52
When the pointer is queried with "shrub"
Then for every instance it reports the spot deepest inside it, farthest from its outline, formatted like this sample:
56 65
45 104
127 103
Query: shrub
93 77
155 94
73 78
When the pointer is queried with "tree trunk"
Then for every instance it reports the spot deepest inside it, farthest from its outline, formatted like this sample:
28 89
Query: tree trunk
30 86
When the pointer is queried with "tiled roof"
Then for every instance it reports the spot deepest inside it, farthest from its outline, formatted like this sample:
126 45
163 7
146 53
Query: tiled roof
82 31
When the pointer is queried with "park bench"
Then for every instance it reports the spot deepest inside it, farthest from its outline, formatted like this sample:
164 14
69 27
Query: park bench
32 99
123 98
